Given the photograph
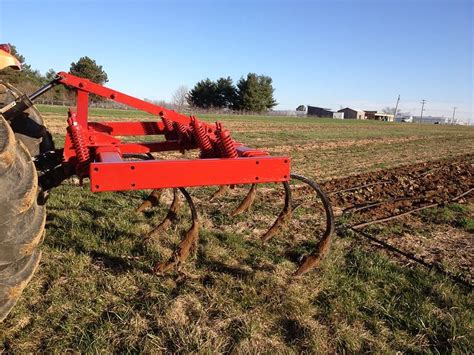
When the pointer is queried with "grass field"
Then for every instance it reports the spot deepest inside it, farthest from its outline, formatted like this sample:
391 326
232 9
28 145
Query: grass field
95 291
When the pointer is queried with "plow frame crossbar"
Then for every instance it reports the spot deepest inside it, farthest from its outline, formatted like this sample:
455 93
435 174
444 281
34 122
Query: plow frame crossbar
93 150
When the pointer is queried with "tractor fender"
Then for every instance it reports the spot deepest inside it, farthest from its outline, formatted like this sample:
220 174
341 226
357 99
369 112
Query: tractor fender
8 60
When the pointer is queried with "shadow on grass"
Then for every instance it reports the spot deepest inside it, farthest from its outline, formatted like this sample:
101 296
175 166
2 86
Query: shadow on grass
78 245
293 331
222 268
297 252
116 264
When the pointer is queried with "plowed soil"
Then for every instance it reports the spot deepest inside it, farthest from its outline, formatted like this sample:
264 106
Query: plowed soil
433 235
392 191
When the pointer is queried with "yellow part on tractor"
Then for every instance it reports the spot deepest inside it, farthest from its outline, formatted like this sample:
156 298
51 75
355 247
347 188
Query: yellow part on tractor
7 60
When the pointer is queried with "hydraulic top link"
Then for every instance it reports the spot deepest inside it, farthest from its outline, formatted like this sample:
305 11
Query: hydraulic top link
24 102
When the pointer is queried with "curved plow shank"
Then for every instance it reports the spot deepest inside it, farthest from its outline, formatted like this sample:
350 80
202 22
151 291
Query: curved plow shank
187 245
322 248
171 217
220 192
246 202
152 200
283 218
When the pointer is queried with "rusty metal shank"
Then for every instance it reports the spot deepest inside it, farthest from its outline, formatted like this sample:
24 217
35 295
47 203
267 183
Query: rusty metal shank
283 218
187 245
220 192
152 200
322 248
171 217
246 203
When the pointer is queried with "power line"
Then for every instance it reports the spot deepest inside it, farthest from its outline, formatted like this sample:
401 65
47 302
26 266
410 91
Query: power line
422 108
396 109
454 112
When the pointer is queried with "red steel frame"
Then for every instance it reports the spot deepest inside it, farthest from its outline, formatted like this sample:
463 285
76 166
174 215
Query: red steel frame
94 150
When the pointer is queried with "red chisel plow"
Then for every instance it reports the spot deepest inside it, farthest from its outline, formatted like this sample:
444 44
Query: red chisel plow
94 150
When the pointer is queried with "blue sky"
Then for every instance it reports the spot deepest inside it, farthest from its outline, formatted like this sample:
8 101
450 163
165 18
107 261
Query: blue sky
320 52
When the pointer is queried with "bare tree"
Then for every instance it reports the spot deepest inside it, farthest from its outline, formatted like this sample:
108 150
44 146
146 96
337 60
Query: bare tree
179 98
158 102
391 110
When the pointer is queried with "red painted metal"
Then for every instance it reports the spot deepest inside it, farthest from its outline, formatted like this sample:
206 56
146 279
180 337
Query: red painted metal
128 128
78 143
95 149
203 140
153 147
225 142
108 155
93 88
112 176
6 48
82 98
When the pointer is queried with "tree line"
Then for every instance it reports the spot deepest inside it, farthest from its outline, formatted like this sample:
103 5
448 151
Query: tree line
253 93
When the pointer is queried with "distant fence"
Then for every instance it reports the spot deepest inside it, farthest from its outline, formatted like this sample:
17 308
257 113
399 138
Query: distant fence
95 104
287 113
185 110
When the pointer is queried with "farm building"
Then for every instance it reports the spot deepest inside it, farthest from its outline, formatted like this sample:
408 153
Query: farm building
382 116
379 116
319 111
370 115
350 113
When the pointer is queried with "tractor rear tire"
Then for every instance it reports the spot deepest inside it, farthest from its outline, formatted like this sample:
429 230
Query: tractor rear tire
28 126
22 219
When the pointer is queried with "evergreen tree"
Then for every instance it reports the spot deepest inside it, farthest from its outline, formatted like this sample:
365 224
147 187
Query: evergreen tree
255 93
87 68
203 94
226 93
50 75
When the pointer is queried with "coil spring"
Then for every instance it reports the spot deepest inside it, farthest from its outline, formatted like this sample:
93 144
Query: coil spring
77 139
202 139
167 124
183 132
226 143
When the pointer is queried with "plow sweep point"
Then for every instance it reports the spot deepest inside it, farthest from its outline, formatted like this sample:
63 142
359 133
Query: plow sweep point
170 218
220 192
283 218
246 203
189 243
152 200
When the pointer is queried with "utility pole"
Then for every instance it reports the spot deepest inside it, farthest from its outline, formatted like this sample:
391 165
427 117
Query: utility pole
454 112
396 109
422 108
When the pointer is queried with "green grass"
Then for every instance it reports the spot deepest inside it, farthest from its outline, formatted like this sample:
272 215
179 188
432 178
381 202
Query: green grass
95 291
453 214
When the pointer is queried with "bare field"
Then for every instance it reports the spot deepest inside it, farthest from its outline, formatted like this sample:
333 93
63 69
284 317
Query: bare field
322 148
95 291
